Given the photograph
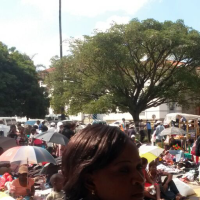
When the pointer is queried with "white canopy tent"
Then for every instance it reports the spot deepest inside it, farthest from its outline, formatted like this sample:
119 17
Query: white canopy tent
173 116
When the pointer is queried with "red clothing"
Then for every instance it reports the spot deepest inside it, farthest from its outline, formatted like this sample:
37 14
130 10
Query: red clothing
145 176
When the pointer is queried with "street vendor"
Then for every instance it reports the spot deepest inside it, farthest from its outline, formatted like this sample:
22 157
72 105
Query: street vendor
22 186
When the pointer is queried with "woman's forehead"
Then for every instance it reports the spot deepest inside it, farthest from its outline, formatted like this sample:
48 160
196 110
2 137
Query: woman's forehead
129 153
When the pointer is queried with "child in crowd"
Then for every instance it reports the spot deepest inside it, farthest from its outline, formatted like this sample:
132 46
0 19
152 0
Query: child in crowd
57 181
149 183
167 157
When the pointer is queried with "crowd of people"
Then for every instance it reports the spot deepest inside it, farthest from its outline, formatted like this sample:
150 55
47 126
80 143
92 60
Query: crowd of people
99 162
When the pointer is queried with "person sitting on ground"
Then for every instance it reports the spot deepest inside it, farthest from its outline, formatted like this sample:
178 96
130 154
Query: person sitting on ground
101 162
168 188
136 141
149 183
57 181
166 156
22 186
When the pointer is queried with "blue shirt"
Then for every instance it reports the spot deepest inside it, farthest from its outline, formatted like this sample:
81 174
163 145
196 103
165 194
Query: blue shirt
149 126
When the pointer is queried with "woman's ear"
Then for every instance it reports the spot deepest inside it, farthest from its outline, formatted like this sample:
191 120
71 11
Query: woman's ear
88 182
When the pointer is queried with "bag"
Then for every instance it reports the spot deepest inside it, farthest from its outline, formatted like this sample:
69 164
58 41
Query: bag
183 188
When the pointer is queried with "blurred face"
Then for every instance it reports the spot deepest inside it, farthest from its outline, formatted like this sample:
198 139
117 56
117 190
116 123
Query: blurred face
122 179
61 127
23 177
58 184
144 166
153 168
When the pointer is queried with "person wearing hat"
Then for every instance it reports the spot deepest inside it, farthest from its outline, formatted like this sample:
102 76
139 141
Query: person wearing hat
23 186
52 127
59 127
158 130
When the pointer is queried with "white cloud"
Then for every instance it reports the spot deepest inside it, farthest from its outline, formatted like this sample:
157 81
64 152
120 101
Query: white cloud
25 35
89 8
29 36
104 25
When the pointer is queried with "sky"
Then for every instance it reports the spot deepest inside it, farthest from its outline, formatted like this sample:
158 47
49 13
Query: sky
32 26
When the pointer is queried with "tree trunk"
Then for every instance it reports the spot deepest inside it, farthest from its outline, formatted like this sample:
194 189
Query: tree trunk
60 29
136 118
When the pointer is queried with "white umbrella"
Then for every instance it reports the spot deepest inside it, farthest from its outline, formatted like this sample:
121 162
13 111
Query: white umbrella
150 152
172 131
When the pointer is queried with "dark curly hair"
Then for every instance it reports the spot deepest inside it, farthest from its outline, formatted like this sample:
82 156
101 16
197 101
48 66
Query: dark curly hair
93 148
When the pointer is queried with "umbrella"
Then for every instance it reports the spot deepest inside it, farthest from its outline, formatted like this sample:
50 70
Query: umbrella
172 131
150 152
30 123
7 143
53 137
30 154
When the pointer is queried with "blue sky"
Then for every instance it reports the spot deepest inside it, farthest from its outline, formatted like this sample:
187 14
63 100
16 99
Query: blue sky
32 25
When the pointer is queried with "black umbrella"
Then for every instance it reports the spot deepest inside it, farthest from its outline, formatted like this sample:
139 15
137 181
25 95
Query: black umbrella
7 143
53 137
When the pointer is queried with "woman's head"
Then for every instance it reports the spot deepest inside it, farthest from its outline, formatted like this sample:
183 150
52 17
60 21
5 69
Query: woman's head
102 162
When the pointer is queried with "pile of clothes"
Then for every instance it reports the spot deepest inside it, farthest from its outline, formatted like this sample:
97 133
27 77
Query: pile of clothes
4 179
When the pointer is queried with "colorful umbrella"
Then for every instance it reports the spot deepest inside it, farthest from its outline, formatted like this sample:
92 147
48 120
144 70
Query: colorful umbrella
53 137
27 154
150 152
6 143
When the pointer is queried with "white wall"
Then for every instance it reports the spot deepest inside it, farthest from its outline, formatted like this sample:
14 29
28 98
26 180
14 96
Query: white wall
159 111
78 117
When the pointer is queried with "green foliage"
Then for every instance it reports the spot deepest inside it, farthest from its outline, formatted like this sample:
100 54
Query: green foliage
19 88
131 68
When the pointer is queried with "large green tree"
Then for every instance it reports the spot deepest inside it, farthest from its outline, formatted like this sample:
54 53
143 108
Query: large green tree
20 93
131 67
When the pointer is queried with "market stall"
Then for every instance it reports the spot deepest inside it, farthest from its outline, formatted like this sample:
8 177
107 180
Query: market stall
188 122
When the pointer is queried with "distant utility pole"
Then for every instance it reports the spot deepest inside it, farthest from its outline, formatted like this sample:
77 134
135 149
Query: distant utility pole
60 29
